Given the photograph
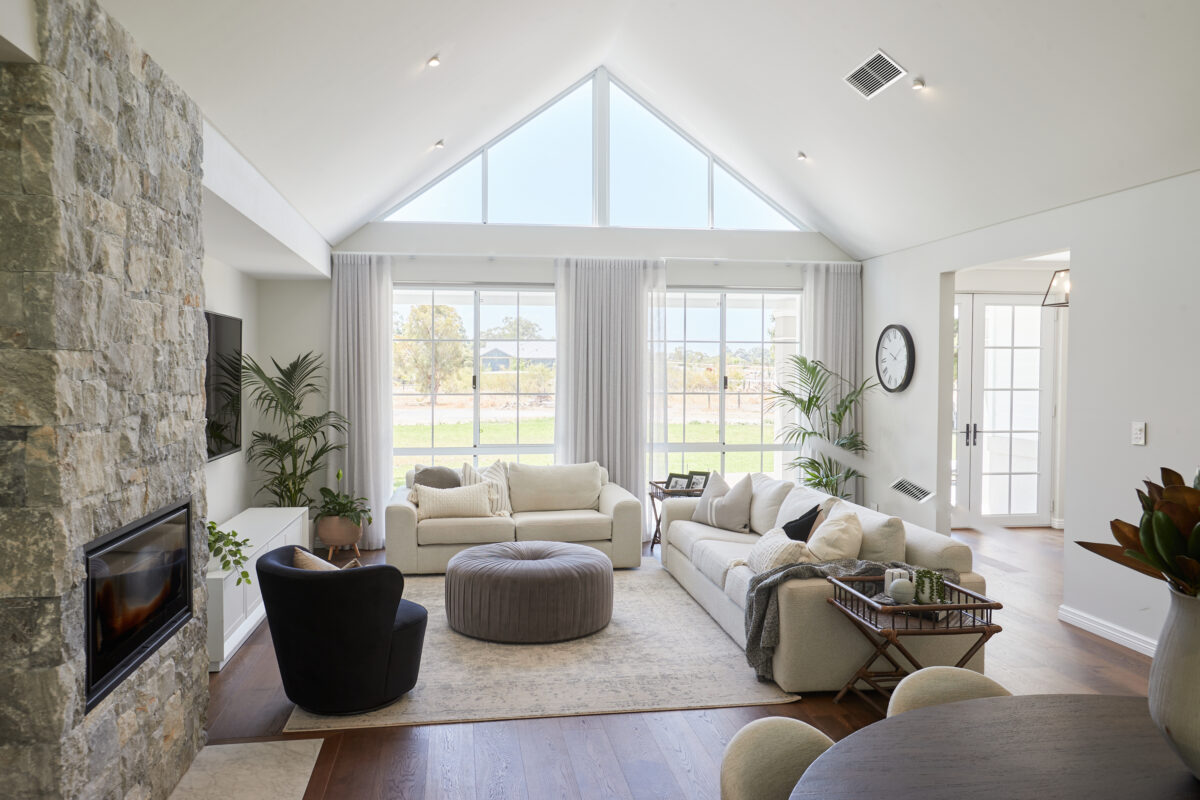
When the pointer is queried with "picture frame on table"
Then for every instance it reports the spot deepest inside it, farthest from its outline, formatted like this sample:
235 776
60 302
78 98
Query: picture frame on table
697 479
677 482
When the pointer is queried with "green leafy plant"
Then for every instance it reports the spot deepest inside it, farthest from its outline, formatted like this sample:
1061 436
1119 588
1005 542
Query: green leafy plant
227 547
297 449
934 582
823 403
1166 542
340 504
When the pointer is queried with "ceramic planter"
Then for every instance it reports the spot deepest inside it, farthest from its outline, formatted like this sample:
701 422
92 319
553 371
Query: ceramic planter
1175 680
338 532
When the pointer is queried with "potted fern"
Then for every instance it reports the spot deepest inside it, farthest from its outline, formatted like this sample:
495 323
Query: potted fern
340 517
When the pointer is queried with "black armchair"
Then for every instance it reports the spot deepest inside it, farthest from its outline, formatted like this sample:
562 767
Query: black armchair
345 641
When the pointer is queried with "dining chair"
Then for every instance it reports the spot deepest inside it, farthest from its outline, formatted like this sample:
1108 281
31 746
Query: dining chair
932 686
765 759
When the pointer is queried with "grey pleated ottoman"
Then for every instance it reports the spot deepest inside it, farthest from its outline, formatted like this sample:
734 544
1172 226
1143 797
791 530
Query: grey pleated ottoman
527 592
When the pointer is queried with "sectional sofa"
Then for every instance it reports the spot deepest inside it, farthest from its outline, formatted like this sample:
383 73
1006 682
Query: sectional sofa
819 648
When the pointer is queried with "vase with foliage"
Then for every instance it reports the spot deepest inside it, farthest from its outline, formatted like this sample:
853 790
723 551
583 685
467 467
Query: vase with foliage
226 547
299 443
822 406
340 517
1166 545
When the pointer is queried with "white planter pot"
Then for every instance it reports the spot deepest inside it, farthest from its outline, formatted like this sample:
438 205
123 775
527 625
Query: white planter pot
1175 680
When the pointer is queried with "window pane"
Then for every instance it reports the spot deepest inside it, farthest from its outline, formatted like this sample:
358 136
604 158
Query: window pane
402 465
782 317
498 317
1025 411
995 494
458 197
997 326
701 462
412 367
996 411
735 206
537 316
743 318
452 366
536 374
537 459
453 420
703 367
1027 326
743 418
738 465
676 356
498 367
454 315
1025 452
1024 494
412 416
1026 373
657 178
703 417
541 173
675 303
997 368
498 419
404 324
995 452
703 317
537 419
675 418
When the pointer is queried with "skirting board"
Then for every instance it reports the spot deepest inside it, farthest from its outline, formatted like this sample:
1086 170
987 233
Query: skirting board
1106 630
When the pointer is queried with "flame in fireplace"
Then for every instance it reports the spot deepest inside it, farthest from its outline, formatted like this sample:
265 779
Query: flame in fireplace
121 600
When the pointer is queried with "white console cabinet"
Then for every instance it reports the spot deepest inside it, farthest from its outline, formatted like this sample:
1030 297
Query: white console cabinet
235 611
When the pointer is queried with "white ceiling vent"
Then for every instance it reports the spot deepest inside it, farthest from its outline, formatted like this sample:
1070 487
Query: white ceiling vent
875 74
911 490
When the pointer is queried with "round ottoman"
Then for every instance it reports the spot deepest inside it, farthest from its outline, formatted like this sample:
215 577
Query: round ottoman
526 592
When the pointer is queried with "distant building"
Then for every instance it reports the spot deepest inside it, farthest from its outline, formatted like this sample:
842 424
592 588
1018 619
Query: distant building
503 356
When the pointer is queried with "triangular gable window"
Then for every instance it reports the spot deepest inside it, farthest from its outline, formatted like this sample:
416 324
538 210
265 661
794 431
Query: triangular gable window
595 155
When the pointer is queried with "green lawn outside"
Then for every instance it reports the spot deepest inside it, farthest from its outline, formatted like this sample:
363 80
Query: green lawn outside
541 431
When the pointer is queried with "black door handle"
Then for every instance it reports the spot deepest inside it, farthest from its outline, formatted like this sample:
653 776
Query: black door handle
974 435
967 435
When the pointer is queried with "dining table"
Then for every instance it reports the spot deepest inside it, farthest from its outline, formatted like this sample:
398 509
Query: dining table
1061 746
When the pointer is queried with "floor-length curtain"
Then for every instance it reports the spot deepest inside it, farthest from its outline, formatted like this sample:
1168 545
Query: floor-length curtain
603 382
832 320
360 381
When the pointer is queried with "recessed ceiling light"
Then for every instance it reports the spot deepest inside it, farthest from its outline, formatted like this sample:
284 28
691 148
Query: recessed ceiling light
800 156
433 61
918 84
439 144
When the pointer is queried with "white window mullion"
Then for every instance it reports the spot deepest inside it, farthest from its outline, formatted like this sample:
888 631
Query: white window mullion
476 381
600 148
711 214
483 185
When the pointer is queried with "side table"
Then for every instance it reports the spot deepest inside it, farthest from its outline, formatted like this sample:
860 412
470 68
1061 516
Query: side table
658 493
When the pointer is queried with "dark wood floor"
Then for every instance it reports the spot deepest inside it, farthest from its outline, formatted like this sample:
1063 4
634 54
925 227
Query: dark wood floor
670 754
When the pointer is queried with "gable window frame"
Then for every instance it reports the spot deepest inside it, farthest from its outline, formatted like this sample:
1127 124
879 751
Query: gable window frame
602 80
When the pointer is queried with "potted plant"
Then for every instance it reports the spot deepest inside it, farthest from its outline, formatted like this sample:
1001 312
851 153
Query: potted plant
296 450
823 405
930 586
1166 545
340 517
227 547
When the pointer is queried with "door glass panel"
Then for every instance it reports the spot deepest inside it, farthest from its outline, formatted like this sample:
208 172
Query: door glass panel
1027 326
1025 411
997 368
997 326
703 317
743 318
1026 369
995 452
1025 452
1024 494
703 417
996 411
995 494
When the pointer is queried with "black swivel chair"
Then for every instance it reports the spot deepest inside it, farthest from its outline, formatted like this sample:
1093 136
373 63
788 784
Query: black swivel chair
345 641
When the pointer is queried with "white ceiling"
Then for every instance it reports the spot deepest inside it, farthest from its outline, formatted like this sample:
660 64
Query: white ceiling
1031 104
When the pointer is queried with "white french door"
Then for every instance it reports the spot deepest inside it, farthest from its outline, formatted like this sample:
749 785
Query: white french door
1002 409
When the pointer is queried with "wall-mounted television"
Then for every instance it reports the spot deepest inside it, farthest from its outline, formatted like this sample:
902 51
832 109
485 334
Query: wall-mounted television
223 385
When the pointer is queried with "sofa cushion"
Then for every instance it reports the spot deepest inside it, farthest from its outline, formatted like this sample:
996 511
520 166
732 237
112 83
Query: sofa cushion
799 529
496 479
775 550
737 583
461 501
302 559
580 525
883 536
714 558
766 497
839 536
466 530
437 477
562 487
798 500
684 535
722 506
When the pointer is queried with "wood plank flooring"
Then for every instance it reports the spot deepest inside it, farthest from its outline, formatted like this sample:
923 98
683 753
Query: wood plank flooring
666 754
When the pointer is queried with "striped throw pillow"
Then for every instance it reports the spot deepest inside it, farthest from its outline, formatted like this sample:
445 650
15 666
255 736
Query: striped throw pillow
496 479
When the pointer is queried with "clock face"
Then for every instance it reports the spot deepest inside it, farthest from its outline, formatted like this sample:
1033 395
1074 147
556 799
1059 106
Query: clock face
895 358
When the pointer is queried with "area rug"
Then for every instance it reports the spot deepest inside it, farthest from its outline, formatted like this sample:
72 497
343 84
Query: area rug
661 652
250 771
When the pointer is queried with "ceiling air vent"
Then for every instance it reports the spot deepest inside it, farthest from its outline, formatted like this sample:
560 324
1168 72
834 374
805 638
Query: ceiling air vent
875 74
910 489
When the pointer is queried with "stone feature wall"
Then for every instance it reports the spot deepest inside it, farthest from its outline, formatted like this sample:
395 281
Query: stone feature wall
102 345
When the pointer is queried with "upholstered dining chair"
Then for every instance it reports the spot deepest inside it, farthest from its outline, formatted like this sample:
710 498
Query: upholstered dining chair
932 686
345 640
765 759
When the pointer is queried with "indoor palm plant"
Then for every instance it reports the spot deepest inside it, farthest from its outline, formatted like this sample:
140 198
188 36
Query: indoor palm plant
821 405
1166 545
340 517
297 448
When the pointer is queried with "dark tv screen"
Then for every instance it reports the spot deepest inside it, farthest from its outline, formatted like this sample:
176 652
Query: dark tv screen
223 385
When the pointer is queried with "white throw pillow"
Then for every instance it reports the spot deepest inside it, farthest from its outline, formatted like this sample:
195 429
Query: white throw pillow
462 501
496 479
774 549
724 507
883 536
562 487
767 497
838 536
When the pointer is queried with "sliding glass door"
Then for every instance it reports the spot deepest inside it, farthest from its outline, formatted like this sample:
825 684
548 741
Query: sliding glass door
715 359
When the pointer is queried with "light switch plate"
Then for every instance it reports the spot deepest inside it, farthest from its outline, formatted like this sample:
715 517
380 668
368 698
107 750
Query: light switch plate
1138 435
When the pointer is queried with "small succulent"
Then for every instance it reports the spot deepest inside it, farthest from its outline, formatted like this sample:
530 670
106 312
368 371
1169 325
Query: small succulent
1166 543
934 582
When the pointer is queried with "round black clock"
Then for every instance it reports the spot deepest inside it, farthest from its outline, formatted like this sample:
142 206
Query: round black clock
895 358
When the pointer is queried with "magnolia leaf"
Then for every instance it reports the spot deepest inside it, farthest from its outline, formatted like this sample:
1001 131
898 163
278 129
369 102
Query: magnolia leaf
1185 496
1179 516
1189 568
1154 490
1113 552
1172 478
1126 534
1144 499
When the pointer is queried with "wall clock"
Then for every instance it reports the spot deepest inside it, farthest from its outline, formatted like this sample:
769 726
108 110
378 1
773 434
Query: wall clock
895 358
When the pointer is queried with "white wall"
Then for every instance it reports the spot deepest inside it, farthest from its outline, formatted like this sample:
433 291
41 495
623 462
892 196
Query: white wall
228 291
1134 304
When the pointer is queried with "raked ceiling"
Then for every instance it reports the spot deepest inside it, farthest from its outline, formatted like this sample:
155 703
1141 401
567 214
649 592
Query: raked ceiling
1031 104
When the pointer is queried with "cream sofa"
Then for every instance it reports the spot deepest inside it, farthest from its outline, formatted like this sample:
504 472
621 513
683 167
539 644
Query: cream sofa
544 501
819 648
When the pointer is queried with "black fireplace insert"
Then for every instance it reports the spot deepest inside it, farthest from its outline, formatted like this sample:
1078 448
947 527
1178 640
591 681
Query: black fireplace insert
138 594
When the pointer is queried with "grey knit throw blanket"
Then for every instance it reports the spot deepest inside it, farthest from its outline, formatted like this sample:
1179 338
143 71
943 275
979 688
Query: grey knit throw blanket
762 605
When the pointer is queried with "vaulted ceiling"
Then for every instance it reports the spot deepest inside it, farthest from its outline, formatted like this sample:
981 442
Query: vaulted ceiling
1030 105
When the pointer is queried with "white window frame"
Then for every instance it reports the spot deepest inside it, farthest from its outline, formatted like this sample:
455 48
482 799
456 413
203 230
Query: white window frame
601 153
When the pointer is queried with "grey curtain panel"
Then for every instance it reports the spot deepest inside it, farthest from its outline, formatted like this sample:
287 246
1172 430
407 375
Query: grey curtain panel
603 364
360 381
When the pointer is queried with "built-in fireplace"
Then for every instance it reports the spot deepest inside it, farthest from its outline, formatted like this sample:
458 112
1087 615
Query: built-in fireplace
138 594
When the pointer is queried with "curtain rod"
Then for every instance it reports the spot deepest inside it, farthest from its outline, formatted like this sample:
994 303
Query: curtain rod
543 256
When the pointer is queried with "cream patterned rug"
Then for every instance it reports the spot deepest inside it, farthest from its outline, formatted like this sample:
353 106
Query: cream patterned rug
250 771
660 652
